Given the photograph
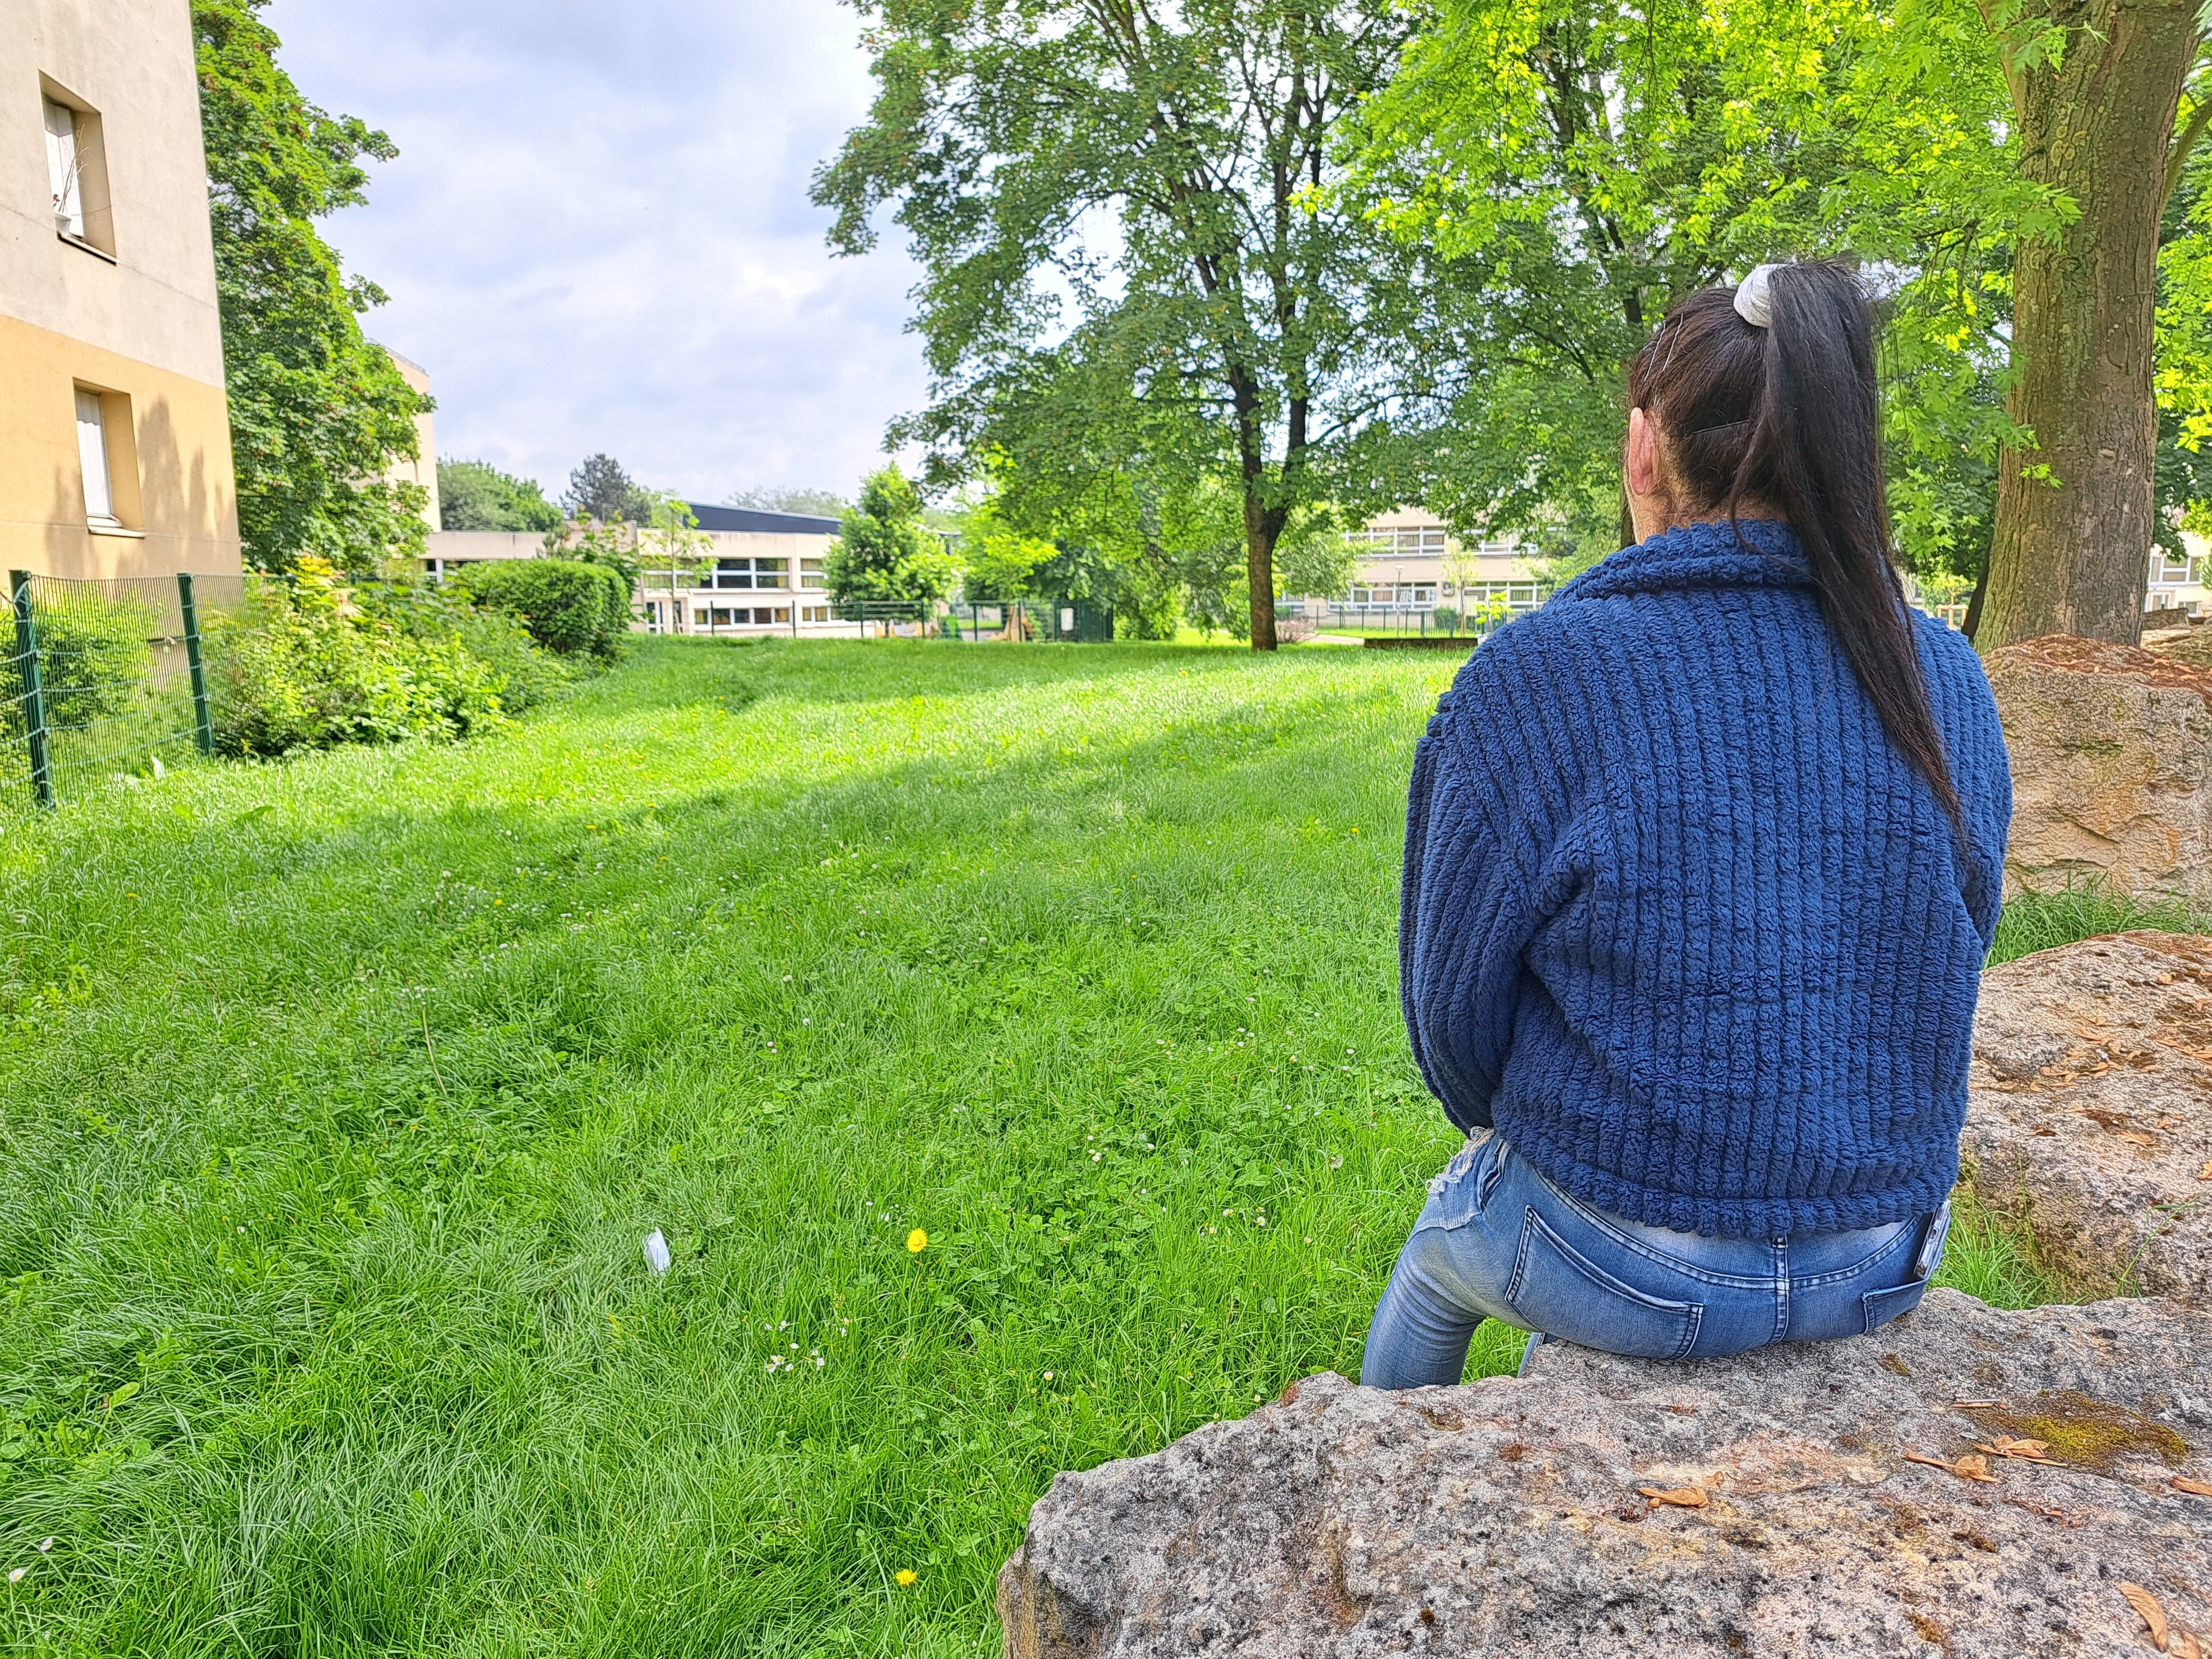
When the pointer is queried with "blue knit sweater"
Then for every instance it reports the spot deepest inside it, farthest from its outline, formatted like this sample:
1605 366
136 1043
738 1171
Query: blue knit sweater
1677 919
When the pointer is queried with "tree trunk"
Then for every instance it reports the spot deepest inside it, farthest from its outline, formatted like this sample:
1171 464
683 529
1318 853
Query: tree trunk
1261 530
2072 549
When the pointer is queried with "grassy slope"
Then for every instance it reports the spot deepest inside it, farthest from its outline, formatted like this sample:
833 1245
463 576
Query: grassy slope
339 1094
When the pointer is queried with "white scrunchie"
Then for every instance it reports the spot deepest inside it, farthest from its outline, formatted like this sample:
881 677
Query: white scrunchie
1754 296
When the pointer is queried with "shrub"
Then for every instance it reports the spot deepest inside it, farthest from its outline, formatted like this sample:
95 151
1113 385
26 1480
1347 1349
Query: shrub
527 675
302 665
569 607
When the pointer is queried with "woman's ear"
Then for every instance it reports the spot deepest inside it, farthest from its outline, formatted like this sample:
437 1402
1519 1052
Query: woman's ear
1647 507
1642 457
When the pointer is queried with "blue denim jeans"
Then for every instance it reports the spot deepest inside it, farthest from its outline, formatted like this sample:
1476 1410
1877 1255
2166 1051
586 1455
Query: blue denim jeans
1497 1240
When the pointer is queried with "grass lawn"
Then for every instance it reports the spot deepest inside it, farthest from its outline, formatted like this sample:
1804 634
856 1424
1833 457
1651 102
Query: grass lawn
340 1093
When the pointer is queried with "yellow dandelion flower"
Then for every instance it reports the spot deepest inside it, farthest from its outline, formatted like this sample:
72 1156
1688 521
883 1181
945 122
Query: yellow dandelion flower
905 1576
917 1242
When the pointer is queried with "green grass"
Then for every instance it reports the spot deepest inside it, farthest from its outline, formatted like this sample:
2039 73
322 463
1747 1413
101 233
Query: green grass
2040 921
340 1093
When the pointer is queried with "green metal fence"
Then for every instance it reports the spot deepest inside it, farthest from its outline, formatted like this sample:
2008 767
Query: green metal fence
106 679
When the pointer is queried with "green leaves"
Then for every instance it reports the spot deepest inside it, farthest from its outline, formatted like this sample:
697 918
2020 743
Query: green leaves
1589 165
885 551
478 495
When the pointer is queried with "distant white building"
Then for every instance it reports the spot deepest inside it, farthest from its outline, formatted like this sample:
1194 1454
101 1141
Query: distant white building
747 573
760 572
1411 562
2179 584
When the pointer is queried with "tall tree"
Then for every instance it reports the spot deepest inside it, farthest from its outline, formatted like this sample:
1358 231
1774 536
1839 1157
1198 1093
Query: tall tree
478 495
1586 165
1139 194
318 412
885 551
2095 86
601 488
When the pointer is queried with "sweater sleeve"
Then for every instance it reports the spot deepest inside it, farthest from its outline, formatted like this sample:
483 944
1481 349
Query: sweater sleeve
1476 891
1981 772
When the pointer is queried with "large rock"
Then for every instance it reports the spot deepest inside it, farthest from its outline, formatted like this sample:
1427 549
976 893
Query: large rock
2111 765
2089 1117
1505 1516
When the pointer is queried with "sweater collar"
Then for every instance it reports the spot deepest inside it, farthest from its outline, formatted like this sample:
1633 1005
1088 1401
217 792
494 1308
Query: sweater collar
1698 556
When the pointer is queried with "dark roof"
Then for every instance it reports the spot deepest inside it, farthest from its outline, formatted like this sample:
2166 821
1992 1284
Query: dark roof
746 518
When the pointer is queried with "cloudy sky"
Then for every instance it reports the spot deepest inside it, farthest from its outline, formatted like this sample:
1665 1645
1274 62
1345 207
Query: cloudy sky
597 234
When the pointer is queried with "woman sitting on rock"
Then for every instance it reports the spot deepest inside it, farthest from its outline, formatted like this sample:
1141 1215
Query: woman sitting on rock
1702 860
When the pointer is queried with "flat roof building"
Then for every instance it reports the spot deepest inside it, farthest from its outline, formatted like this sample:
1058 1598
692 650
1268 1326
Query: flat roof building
1410 562
748 572
760 572
115 455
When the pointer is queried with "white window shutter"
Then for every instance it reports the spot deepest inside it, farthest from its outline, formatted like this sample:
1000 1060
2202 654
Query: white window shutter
91 451
63 170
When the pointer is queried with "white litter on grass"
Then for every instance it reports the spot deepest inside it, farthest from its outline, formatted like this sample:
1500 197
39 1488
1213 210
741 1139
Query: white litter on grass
656 1251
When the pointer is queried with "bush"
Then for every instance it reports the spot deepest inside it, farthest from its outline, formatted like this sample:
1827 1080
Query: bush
93 658
569 607
527 676
303 665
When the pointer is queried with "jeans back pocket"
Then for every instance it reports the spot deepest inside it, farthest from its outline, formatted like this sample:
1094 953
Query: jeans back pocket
1561 1292
1880 1307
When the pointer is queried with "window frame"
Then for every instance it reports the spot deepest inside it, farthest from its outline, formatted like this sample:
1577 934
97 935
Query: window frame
95 456
94 218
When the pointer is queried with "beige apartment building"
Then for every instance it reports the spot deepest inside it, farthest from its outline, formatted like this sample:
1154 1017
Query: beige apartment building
1411 562
115 454
422 470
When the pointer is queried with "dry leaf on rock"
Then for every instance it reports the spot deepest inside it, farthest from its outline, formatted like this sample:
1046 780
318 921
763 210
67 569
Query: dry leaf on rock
1967 1468
2028 1451
2152 1614
1686 1497
2205 1173
2186 1646
2181 1483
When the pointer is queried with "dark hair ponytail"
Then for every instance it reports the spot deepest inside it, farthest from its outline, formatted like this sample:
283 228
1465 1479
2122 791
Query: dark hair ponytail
1786 418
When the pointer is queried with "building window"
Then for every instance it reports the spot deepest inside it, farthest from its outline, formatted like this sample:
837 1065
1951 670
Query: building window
91 451
809 574
814 613
747 573
77 175
1408 541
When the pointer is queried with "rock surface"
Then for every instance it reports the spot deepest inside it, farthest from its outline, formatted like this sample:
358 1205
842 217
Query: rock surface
2089 1114
2112 764
1504 1516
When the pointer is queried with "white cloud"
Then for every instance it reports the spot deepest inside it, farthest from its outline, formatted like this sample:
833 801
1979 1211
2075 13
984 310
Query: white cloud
597 234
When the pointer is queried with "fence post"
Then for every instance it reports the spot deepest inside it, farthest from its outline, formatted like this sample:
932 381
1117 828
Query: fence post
203 719
34 695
